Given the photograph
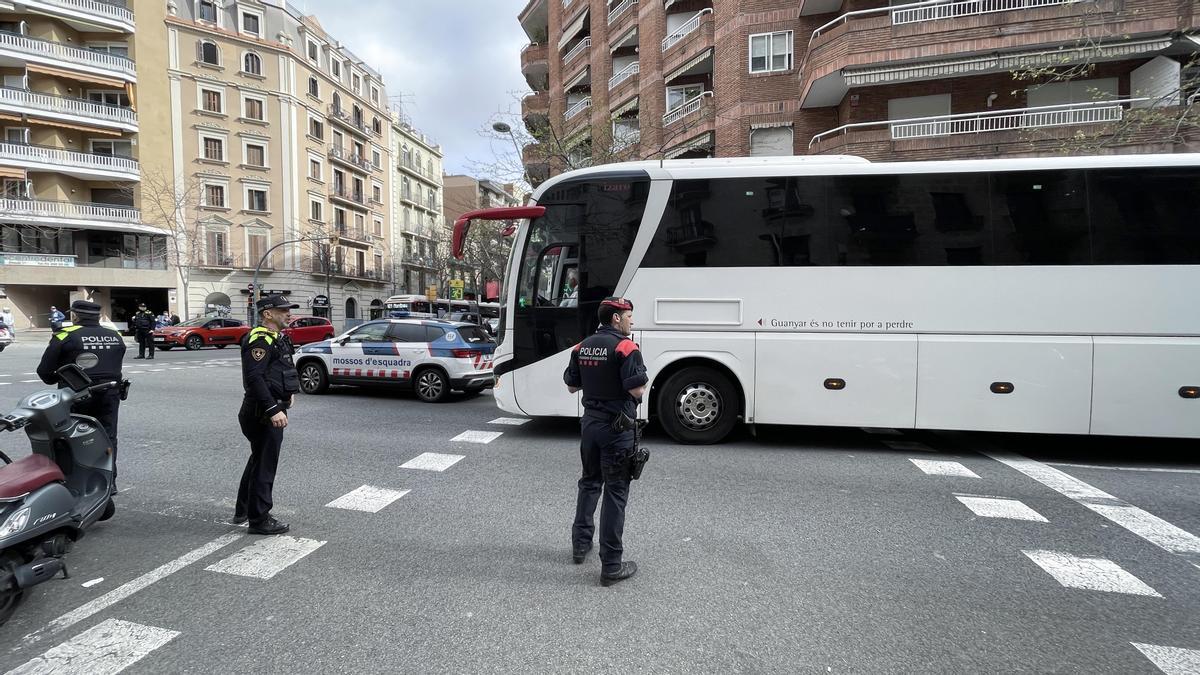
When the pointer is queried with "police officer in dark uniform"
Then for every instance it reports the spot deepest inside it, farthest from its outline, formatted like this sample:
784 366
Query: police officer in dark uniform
608 368
270 380
99 352
143 326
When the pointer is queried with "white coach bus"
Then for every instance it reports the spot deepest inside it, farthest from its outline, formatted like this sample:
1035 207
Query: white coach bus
1053 295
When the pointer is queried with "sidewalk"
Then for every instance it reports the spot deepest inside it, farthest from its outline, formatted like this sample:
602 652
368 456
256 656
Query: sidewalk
42 335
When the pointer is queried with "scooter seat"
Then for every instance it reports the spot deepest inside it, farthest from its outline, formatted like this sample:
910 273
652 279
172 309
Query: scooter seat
28 474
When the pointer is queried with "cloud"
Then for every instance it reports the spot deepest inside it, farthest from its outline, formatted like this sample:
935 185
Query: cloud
452 65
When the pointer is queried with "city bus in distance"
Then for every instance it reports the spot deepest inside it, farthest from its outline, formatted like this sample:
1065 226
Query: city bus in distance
419 306
1053 295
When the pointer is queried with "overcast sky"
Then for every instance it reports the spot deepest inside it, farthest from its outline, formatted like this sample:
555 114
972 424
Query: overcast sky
455 63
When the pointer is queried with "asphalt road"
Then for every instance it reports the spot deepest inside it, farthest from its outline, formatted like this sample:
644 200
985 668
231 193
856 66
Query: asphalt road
797 551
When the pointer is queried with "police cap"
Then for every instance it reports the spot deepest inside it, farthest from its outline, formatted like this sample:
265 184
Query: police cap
85 308
275 302
618 303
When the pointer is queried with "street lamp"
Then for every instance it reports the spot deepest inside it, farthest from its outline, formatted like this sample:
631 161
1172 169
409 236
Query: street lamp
504 128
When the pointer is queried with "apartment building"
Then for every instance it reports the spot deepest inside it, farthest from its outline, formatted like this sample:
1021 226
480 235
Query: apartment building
68 162
416 207
463 194
628 79
278 140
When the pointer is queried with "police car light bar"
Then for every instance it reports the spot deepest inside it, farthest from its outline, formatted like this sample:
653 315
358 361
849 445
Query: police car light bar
463 224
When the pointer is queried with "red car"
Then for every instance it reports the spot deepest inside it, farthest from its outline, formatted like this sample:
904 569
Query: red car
203 332
305 329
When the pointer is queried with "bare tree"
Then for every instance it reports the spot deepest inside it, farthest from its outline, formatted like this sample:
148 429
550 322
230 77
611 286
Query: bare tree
172 203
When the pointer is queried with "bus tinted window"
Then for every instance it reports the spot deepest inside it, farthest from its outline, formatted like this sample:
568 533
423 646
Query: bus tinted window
1040 218
1144 217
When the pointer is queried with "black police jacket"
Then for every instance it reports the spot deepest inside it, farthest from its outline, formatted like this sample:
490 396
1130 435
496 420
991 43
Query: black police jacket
607 365
96 349
143 321
268 374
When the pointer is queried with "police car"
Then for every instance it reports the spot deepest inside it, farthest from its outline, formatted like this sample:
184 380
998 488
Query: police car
429 356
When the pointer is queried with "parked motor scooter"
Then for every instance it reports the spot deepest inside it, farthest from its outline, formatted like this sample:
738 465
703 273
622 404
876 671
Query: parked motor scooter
50 498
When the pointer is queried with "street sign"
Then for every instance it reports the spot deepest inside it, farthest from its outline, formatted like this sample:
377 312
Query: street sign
456 289
431 293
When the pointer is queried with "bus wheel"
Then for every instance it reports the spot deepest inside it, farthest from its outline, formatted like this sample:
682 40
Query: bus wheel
698 406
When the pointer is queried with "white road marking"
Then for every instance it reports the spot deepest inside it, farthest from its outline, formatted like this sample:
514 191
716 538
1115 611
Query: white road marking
1171 660
1142 523
908 446
367 498
431 461
93 582
29 381
1094 574
29 373
510 421
125 590
157 370
266 557
483 437
107 648
4 383
136 372
1123 468
936 467
882 432
175 369
997 507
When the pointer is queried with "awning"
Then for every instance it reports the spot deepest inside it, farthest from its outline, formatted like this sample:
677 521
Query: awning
71 74
579 137
10 172
572 29
769 125
575 81
704 140
631 104
75 127
930 70
632 34
692 63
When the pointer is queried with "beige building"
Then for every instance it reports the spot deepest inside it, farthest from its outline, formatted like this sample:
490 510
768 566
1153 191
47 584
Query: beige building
269 131
69 163
416 208
464 194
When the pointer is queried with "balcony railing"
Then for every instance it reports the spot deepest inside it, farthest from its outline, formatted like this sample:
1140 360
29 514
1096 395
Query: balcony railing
27 46
626 139
347 119
578 49
418 260
626 73
1042 117
690 107
343 192
49 103
40 154
934 10
620 9
351 158
685 30
354 232
579 107
116 11
416 168
78 211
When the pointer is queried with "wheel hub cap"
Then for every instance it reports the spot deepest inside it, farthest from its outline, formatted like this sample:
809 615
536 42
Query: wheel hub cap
430 386
698 406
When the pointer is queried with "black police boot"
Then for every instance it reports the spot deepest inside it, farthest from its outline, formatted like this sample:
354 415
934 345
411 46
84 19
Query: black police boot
269 526
578 553
627 569
139 357
239 518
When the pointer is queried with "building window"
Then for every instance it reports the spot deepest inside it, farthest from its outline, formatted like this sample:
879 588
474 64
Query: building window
207 11
214 196
377 126
376 158
773 141
314 52
209 53
316 209
374 94
378 227
211 101
771 52
316 128
677 96
252 64
257 243
356 83
314 87
335 67
377 193
314 168
214 149
218 247
108 148
256 199
254 109
251 24
359 221
339 218
256 155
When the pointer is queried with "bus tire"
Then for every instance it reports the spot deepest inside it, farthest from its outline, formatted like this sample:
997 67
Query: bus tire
698 406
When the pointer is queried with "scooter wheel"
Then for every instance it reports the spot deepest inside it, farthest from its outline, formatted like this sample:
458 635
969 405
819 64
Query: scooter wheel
10 595
109 509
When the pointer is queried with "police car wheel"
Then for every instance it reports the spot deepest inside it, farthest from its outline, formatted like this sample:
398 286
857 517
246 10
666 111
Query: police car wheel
697 406
431 385
194 342
313 379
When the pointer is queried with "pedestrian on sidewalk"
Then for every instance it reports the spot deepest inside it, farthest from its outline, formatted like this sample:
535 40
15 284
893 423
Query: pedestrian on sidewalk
143 326
56 319
9 322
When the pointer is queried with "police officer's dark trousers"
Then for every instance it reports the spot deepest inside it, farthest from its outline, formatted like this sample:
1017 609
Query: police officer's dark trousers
104 407
144 340
254 492
604 453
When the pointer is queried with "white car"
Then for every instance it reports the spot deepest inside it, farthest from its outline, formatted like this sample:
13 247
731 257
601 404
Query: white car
429 356
5 338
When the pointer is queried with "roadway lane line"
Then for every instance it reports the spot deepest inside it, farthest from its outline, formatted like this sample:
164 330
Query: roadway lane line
908 446
266 557
936 467
1093 574
29 381
431 461
1123 468
367 498
105 649
998 507
510 421
1171 660
482 437
4 383
1142 523
125 590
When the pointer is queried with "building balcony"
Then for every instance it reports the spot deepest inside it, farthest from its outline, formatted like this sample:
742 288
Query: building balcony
535 19
347 157
354 235
577 109
86 16
537 165
20 50
693 109
419 261
80 215
627 73
346 119
64 109
580 48
535 66
702 22
416 170
82 165
245 261
317 265
622 14
345 195
535 110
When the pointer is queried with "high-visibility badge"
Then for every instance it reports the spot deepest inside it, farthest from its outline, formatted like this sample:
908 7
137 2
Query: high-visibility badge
258 353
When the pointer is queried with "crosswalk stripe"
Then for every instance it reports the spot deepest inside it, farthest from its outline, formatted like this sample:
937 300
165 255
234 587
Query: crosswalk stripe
483 437
431 461
1094 574
367 498
908 446
107 648
266 557
937 467
1171 660
510 421
997 507
29 381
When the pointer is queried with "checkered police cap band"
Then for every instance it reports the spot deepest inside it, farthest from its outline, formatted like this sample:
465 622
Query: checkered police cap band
618 303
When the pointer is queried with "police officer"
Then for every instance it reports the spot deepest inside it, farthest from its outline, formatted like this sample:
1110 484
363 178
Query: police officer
608 368
99 352
143 326
270 380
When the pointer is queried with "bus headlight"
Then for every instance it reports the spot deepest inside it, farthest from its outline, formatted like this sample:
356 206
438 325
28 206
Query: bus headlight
15 523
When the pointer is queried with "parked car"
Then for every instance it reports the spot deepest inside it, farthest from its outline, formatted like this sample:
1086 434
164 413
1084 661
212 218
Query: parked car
305 329
464 317
206 331
5 338
492 325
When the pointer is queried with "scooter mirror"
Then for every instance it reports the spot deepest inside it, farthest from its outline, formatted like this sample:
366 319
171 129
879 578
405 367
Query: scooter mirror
74 377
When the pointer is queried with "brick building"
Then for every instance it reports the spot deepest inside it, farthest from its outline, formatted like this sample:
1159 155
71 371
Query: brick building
630 79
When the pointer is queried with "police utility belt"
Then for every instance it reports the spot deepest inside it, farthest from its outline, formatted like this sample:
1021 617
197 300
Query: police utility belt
621 423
